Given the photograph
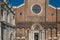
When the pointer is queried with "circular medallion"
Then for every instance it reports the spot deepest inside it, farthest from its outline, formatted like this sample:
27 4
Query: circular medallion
36 9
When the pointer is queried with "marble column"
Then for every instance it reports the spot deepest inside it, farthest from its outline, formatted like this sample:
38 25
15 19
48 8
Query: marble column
49 35
40 35
43 34
32 35
29 35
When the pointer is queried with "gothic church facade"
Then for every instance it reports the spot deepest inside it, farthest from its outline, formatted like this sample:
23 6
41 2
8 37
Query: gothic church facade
36 20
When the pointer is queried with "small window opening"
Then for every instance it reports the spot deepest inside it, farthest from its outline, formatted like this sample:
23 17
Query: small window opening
20 13
52 14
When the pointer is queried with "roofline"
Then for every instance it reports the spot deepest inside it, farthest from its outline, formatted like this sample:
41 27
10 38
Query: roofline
23 4
53 6
18 6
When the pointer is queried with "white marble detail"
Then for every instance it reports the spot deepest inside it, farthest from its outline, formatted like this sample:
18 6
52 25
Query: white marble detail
37 28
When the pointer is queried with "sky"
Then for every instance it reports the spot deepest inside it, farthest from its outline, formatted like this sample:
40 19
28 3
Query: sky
55 3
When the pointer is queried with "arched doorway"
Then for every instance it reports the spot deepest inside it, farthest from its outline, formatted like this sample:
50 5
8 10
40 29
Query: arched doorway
37 32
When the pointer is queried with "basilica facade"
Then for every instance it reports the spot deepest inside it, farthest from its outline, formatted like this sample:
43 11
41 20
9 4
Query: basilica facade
37 20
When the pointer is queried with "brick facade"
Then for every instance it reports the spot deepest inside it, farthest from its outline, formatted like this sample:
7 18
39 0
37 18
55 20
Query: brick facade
46 22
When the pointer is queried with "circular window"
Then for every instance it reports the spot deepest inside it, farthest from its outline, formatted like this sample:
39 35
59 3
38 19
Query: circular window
36 9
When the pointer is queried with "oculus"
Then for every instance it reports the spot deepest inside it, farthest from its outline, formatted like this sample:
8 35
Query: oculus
36 9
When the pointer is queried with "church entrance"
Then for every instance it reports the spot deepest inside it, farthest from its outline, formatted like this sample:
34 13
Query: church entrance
37 32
